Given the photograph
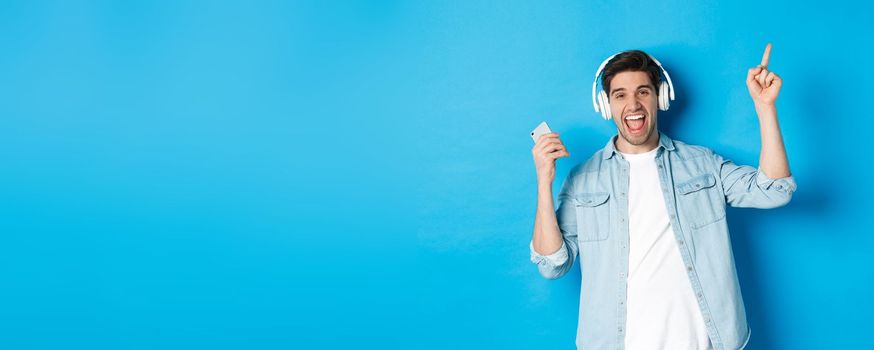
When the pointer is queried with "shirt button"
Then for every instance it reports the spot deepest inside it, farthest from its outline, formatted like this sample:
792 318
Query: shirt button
680 242
660 166
689 268
700 295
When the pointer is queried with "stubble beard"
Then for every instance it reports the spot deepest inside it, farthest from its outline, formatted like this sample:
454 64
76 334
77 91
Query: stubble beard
636 141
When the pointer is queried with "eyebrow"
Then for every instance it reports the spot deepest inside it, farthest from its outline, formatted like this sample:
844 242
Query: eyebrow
623 89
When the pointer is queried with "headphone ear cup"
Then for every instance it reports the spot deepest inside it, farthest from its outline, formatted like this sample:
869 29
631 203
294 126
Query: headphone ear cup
661 96
664 99
601 105
605 105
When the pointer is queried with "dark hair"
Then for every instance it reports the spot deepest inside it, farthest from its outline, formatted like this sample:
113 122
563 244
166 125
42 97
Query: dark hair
633 61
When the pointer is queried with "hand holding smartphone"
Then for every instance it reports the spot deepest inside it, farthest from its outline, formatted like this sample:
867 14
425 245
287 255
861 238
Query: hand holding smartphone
546 152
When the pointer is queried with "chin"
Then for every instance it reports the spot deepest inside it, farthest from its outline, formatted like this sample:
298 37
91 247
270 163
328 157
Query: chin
637 140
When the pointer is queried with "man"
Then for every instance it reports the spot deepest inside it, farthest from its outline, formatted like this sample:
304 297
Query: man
647 216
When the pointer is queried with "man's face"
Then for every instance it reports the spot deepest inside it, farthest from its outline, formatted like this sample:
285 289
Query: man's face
634 105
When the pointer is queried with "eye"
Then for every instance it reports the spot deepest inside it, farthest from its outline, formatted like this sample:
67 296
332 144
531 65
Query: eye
644 92
618 96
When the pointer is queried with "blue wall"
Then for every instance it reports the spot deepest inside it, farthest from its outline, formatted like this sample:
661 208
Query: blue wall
305 175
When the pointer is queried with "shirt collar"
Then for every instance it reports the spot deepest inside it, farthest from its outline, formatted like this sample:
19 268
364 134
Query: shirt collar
610 149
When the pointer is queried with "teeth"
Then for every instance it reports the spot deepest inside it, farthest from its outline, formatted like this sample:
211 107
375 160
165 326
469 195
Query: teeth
634 117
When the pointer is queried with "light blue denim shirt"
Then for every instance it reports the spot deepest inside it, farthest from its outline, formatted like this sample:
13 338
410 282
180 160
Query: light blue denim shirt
697 183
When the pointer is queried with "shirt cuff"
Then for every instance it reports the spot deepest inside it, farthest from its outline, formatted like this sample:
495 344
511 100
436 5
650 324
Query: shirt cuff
555 259
786 184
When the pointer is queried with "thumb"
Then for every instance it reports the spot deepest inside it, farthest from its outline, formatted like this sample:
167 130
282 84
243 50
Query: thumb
752 82
751 74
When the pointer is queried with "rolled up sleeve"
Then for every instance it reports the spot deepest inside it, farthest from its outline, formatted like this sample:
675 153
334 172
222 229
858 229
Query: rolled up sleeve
784 184
555 259
748 187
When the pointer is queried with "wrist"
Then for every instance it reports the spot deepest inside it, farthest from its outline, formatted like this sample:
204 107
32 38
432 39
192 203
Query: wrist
765 106
766 111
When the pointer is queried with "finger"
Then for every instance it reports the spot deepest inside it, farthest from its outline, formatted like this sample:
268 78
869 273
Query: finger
761 77
551 134
552 155
752 81
545 141
559 154
547 145
770 79
553 148
751 74
778 82
766 56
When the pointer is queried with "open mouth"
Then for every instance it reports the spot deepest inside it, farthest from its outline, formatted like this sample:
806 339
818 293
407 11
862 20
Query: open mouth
635 123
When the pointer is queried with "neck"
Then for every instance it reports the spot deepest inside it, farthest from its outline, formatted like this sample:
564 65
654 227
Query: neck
625 147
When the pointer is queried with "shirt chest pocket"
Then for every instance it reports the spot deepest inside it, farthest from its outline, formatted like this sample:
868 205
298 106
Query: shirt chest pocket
701 199
593 216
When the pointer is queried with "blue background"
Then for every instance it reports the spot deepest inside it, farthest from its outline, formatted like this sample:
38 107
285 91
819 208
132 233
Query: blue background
303 175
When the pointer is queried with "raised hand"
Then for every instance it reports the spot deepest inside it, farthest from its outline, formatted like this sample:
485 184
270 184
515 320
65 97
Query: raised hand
764 85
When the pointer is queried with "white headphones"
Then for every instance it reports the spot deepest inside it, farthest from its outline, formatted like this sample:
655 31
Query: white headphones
601 103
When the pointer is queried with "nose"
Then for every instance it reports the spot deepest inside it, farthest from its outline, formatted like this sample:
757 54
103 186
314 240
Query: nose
634 103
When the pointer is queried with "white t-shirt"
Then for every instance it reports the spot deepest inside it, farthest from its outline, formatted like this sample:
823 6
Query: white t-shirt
662 310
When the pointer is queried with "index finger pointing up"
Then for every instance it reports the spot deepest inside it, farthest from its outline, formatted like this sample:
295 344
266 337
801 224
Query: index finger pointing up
766 56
